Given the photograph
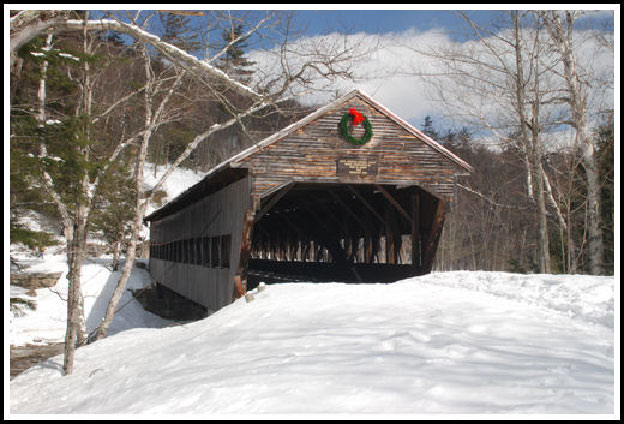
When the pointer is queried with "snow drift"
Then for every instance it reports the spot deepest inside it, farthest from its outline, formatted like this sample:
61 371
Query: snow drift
453 342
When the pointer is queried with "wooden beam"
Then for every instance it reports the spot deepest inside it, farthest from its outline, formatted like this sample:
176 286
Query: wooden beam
273 201
389 235
365 203
394 203
348 209
368 248
433 238
416 228
240 279
329 239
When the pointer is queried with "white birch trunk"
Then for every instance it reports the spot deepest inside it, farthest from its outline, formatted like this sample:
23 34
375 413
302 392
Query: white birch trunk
532 146
141 205
562 38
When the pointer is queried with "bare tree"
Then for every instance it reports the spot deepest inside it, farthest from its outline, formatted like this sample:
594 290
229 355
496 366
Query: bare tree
74 216
560 27
328 65
295 76
498 84
75 211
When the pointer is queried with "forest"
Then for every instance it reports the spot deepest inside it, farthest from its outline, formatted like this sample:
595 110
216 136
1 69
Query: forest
95 99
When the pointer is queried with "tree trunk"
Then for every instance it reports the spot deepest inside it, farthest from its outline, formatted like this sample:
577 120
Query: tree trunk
141 204
532 146
593 200
76 258
116 248
577 100
537 166
544 250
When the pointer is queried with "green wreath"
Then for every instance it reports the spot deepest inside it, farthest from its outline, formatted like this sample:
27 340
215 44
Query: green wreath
344 129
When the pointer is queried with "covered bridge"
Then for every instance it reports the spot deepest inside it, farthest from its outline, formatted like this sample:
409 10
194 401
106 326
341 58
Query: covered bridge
351 192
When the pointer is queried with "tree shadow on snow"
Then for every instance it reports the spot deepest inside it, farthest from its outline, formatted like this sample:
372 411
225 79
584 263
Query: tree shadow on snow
120 322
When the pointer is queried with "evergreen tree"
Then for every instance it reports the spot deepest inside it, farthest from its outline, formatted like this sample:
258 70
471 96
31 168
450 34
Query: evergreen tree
34 132
177 31
234 62
428 128
606 160
115 203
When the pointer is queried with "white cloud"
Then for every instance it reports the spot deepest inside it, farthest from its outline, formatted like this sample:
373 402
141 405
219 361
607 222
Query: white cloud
388 73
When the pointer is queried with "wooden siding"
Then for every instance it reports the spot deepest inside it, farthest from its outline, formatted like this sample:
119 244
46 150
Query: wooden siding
218 214
312 152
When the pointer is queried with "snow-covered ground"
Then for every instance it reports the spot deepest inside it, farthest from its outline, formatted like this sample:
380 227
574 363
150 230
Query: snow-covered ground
446 343
176 183
48 322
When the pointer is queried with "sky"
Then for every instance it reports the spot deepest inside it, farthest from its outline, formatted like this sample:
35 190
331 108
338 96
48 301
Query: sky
408 95
386 21
392 21
403 95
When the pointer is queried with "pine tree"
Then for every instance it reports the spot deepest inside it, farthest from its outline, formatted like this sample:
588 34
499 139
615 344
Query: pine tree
234 63
177 31
115 203
428 128
606 160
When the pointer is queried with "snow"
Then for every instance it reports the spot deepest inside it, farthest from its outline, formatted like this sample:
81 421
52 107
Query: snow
462 342
48 322
579 296
69 56
35 221
446 343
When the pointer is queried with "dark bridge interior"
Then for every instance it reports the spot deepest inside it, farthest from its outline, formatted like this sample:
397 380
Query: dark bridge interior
344 232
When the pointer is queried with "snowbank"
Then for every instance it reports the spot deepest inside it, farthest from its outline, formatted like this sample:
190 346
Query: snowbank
48 322
584 297
425 345
176 183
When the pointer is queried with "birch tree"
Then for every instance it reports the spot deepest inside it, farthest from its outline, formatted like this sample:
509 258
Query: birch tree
560 27
497 85
157 95
72 178
64 152
325 65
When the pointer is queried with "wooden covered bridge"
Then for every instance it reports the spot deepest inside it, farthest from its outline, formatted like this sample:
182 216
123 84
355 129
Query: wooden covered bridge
351 192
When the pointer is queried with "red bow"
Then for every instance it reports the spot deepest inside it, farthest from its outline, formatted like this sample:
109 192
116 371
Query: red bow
357 116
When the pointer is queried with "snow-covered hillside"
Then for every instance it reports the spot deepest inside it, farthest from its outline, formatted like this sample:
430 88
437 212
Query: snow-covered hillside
176 183
453 342
48 322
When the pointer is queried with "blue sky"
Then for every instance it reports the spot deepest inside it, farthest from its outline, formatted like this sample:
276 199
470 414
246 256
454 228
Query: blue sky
385 21
316 22
417 25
